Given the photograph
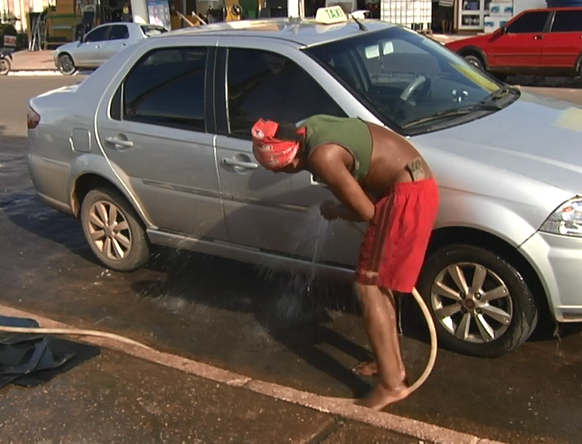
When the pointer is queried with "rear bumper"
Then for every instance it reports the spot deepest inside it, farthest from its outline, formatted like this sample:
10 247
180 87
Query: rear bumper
558 262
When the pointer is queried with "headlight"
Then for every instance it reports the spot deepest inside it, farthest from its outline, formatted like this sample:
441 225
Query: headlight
566 220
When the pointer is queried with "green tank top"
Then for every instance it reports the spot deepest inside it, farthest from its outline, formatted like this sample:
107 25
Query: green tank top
352 133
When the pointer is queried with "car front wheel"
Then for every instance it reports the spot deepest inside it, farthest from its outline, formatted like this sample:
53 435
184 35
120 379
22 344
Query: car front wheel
480 303
475 61
66 65
113 230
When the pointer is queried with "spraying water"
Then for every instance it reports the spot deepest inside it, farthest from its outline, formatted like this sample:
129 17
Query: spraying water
322 228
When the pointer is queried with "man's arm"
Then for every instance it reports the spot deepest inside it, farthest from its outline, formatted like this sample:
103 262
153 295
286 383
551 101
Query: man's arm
329 164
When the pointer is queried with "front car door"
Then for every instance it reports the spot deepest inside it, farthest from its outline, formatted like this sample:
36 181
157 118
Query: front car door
521 44
117 40
86 54
563 44
156 137
265 210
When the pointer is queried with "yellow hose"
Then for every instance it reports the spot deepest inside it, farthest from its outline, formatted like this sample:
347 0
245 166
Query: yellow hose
73 332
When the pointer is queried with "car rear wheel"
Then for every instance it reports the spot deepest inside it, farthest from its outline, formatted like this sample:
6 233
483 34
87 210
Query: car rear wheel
66 65
113 230
5 66
480 303
475 61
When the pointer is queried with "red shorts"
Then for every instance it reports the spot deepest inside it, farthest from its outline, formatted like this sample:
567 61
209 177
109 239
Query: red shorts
393 250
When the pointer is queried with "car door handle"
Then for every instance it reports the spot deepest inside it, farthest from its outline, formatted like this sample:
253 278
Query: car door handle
538 37
240 164
119 142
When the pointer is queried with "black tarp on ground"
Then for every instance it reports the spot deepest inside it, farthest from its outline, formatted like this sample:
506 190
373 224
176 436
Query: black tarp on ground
29 360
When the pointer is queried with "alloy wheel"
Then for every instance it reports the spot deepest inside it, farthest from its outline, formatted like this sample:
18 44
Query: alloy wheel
472 302
109 230
66 65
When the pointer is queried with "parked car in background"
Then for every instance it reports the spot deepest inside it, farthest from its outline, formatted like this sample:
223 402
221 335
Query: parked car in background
5 61
155 148
100 44
536 41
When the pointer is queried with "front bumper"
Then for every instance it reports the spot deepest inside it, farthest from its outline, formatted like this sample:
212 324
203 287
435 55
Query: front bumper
558 261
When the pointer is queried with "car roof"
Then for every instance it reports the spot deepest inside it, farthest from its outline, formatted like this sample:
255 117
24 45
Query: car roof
555 8
303 32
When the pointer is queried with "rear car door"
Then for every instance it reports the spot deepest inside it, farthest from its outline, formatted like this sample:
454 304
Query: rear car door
563 44
521 45
155 135
118 39
263 209
87 54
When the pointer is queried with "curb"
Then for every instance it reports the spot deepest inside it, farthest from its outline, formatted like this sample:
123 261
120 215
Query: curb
336 406
34 72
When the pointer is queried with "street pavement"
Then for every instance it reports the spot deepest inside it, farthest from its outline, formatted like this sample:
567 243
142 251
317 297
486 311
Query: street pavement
227 315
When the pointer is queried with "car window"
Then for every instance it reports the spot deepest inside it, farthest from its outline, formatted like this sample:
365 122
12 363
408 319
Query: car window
264 84
567 21
403 77
166 88
529 22
119 32
97 35
150 30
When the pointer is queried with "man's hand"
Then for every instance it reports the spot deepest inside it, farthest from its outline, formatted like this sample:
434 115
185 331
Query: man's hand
329 210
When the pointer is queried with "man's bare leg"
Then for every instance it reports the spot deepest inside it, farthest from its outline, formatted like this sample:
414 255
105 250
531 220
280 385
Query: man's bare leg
370 368
379 313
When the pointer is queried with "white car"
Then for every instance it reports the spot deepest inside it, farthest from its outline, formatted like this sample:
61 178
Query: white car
100 44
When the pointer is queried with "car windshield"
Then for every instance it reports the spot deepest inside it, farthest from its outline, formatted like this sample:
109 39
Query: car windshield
150 30
409 81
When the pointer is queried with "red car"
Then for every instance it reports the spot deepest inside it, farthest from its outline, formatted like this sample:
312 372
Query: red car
537 41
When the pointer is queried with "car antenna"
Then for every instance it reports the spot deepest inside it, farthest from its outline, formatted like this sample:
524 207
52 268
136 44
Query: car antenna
360 24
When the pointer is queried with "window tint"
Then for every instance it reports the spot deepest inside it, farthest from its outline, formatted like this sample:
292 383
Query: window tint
167 88
567 21
530 22
264 84
118 32
97 35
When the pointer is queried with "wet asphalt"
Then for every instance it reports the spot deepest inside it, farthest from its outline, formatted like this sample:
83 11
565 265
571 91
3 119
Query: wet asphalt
230 315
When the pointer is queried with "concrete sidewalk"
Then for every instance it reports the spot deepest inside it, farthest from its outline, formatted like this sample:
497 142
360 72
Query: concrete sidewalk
129 394
115 398
33 61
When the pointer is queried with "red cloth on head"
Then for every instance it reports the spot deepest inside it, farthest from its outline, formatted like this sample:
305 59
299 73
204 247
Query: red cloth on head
394 247
270 152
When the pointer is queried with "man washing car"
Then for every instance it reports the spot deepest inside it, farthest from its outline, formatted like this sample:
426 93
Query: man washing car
379 178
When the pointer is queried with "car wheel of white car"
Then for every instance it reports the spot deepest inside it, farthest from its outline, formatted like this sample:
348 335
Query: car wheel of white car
4 66
66 65
480 303
113 230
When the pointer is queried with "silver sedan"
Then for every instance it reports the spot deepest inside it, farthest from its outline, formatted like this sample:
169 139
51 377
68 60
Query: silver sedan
154 148
100 44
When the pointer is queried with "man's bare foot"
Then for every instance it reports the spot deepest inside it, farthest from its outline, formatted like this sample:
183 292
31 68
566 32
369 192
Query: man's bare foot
366 368
381 397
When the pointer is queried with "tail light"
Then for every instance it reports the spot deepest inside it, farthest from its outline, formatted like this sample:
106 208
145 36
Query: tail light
32 119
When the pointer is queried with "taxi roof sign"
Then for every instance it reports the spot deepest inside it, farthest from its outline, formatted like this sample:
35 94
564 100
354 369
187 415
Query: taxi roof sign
332 14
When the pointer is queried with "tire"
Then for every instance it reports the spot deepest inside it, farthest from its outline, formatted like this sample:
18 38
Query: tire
66 65
120 247
5 66
475 61
515 304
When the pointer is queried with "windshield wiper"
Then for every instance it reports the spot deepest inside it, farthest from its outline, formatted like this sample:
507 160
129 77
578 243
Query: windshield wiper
488 104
